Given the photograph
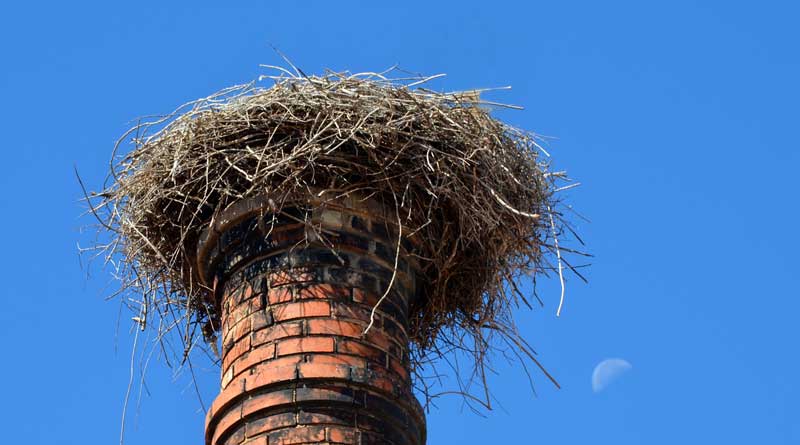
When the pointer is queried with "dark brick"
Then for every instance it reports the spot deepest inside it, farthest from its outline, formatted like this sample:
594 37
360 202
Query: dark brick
330 394
326 416
270 423
353 242
360 224
301 434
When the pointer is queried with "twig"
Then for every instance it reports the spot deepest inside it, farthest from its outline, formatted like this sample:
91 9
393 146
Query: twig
558 257
394 270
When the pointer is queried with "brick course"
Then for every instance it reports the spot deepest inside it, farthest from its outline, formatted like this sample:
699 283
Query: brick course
296 366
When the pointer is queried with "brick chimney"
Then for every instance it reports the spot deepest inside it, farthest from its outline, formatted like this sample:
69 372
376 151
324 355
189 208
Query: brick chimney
296 366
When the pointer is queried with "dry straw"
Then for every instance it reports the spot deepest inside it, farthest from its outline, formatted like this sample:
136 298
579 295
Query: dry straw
475 193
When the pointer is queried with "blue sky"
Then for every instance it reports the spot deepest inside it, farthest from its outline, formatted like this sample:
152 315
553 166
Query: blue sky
679 118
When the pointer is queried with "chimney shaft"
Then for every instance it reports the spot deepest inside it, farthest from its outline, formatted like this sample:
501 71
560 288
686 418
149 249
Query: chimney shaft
296 366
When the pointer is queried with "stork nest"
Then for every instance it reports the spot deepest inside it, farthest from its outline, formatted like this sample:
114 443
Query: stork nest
477 193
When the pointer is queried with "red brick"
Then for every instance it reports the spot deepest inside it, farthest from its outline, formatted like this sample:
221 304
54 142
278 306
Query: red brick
338 359
341 435
239 313
232 391
237 437
238 331
238 349
266 401
261 319
313 370
357 313
331 326
270 423
302 309
365 297
342 328
247 292
378 338
386 384
252 358
323 291
227 377
300 345
226 423
282 294
302 434
269 373
362 350
277 331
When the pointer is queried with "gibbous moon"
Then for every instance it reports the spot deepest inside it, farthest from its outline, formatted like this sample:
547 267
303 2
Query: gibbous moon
607 371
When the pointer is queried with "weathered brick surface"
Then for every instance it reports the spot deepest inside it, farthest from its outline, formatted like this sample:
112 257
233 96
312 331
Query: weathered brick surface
297 367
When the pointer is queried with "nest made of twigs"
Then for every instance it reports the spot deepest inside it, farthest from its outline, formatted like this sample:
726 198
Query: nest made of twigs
476 192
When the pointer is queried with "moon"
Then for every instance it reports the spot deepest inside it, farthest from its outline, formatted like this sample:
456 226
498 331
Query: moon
607 371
